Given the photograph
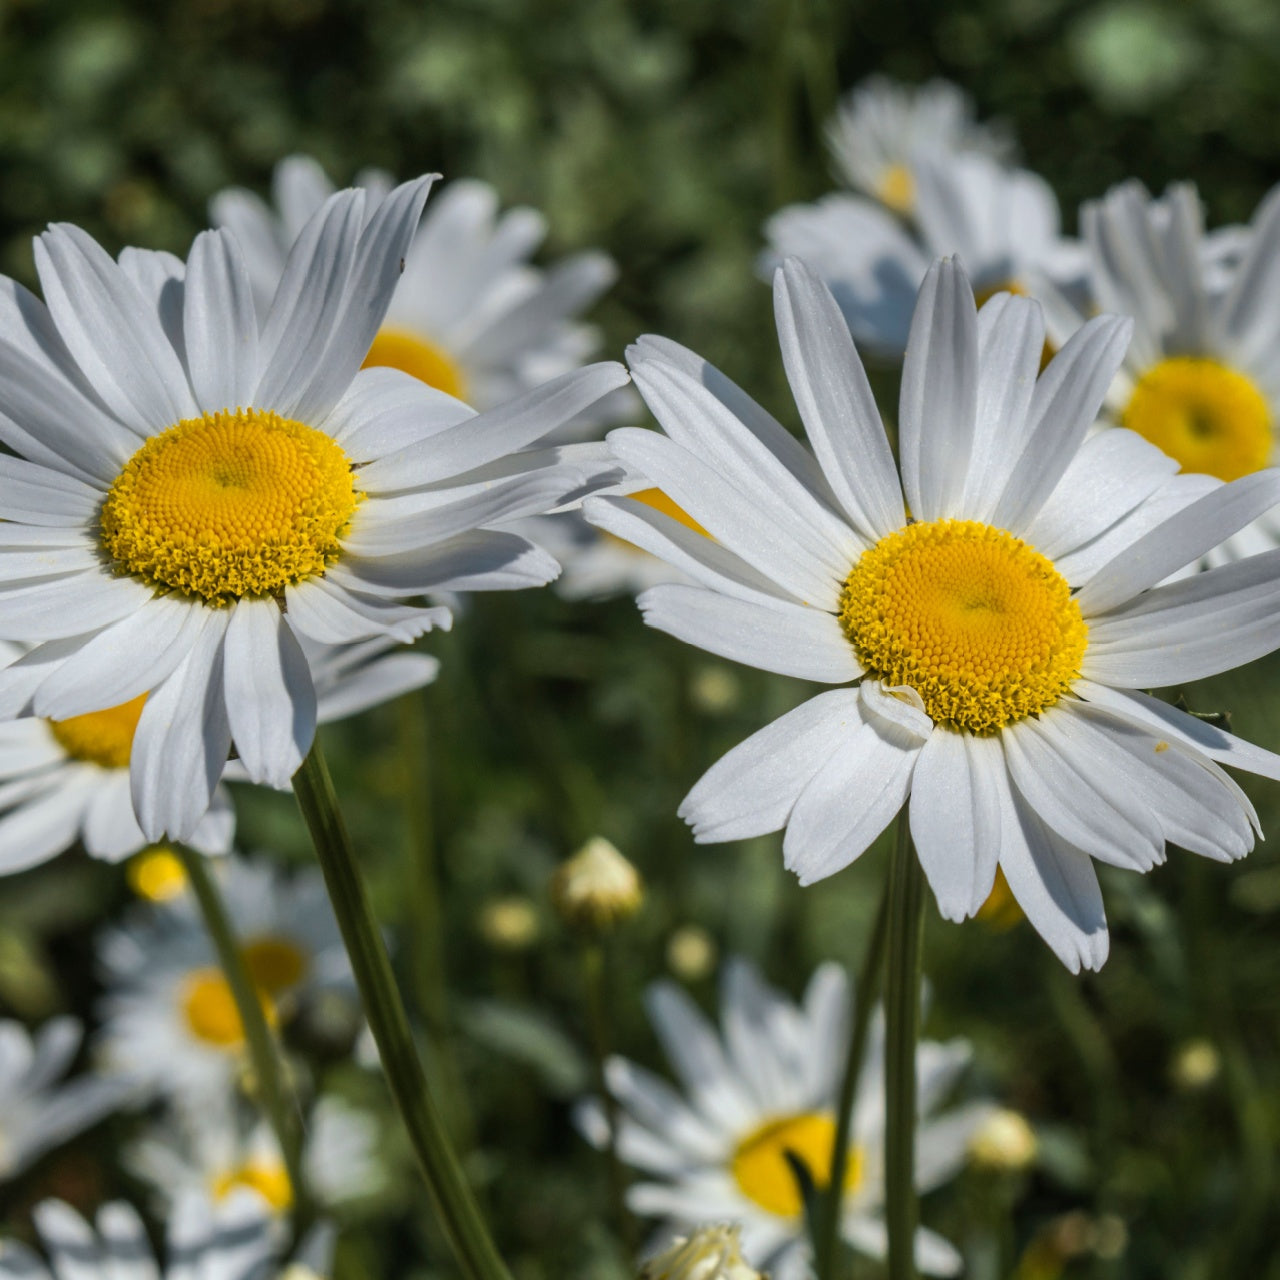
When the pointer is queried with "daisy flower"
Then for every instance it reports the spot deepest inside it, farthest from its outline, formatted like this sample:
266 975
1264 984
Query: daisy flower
169 1020
1201 379
214 1151
194 490
768 1085
1002 223
471 315
36 1112
1000 635
234 1240
882 127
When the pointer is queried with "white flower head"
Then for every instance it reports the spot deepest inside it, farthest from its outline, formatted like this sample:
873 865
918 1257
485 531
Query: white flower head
195 489
471 315
1003 224
881 128
169 1021
1201 378
709 1253
1001 634
234 1240
767 1085
37 1110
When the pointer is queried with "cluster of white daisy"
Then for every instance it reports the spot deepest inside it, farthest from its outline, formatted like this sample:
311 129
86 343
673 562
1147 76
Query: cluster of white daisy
235 485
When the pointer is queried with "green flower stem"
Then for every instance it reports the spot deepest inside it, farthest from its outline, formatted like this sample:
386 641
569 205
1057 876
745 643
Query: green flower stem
902 1029
593 977
281 1109
454 1203
863 1000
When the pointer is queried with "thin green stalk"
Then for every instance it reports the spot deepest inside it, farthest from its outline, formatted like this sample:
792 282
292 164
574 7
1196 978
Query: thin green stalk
863 1000
593 979
451 1196
902 1029
282 1111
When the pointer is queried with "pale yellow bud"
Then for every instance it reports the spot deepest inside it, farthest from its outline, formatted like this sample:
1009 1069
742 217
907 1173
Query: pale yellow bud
1004 1141
509 924
1195 1064
715 690
711 1253
691 953
597 888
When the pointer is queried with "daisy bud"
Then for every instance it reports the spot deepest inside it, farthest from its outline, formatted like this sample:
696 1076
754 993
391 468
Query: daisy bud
597 888
1004 1142
1195 1064
691 953
711 1253
509 924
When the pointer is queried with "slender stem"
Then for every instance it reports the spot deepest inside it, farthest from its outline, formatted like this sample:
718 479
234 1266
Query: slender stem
593 977
863 1000
282 1112
454 1204
902 1028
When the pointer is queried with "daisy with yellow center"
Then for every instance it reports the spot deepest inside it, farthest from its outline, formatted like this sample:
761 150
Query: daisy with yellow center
999 637
761 1091
203 493
1200 377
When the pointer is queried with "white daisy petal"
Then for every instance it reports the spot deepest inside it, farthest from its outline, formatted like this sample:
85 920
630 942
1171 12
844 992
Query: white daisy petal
68 606
385 410
219 325
41 496
1247 318
111 830
482 559
161 279
332 613
381 681
39 829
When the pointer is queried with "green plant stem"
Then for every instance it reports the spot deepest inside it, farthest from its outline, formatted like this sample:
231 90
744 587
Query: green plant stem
282 1112
902 1028
593 979
863 1000
452 1198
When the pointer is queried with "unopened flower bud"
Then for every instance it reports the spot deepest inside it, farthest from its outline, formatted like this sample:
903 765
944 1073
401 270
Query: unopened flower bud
509 924
711 1253
1195 1064
1004 1141
691 953
597 888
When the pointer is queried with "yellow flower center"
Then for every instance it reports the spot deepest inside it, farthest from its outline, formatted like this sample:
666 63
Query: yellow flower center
979 624
210 1009
1000 911
1207 417
275 964
897 189
104 738
414 355
237 503
764 1176
659 501
156 875
268 1178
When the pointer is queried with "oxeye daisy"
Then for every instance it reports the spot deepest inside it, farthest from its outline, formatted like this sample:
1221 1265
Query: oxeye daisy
1000 634
169 1019
38 1111
471 315
881 128
194 491
1201 379
235 1240
768 1085
1002 223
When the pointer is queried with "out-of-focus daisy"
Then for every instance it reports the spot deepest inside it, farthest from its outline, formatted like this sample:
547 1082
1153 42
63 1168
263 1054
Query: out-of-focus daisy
881 129
1001 634
709 1253
471 315
1002 223
37 1110
1201 379
768 1085
215 1152
233 1240
195 490
169 1021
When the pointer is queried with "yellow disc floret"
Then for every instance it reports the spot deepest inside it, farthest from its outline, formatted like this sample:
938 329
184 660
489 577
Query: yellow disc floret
414 355
104 738
268 1178
763 1174
1208 417
979 624
156 874
237 503
275 964
210 1010
897 189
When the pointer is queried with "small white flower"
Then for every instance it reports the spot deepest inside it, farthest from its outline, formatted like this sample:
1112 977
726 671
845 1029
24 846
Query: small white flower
234 1240
710 1253
1003 634
769 1084
37 1113
169 1021
194 490
1201 378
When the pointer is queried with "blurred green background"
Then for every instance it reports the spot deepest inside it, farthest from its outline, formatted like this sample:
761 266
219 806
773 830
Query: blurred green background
665 134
